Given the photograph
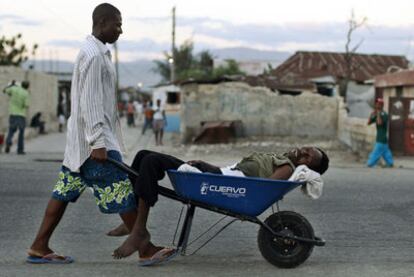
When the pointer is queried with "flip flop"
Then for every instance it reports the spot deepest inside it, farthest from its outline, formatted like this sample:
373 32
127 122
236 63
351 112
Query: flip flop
51 258
162 256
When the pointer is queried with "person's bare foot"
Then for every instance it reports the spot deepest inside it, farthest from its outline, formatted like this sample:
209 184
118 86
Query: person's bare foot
119 231
135 242
39 253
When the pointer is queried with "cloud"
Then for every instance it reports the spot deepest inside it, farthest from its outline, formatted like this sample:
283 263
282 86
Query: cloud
292 36
146 45
208 33
143 45
18 20
150 20
65 43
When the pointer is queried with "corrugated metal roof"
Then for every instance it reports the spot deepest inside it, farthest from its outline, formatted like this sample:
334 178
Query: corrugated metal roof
315 64
400 78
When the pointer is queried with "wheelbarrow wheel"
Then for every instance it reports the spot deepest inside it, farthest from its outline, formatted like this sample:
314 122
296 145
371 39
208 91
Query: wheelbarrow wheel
282 252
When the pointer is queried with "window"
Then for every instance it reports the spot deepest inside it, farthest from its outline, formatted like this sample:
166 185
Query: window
173 98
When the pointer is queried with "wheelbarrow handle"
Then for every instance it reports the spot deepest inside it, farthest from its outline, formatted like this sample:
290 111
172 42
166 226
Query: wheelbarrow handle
124 167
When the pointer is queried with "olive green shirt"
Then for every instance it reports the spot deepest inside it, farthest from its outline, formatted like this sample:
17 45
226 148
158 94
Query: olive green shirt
19 100
263 164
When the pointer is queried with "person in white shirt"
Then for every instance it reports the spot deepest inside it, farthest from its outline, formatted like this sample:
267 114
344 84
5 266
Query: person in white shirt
138 110
159 122
93 134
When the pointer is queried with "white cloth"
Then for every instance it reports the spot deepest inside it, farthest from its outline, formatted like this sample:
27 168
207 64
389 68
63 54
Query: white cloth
158 113
94 121
229 171
188 168
137 106
225 170
314 182
62 119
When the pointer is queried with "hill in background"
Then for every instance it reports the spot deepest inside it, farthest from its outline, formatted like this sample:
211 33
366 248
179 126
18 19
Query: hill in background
141 71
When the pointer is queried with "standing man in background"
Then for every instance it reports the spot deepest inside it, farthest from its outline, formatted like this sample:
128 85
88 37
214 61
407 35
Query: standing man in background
130 114
148 116
18 104
381 148
159 122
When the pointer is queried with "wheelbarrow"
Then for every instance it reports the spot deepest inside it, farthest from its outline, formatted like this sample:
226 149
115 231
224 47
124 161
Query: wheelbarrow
285 238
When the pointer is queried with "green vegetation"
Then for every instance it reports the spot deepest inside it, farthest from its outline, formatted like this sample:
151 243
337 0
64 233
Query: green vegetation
13 51
197 67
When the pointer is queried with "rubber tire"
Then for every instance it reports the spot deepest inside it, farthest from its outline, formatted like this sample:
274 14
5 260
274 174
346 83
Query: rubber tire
273 252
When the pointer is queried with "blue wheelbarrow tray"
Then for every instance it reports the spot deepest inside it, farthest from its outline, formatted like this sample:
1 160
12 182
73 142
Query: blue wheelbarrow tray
242 195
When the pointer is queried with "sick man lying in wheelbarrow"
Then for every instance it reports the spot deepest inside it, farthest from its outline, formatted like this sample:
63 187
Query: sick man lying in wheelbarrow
152 167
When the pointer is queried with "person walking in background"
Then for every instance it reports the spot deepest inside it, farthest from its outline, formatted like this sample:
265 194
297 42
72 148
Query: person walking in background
138 110
61 114
381 148
130 114
94 134
18 105
159 122
148 116
62 121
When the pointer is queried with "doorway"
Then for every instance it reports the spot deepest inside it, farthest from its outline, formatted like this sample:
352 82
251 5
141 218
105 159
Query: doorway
401 118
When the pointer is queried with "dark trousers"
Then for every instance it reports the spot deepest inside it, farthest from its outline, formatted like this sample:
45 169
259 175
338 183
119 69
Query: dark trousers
130 119
16 122
147 124
151 167
40 125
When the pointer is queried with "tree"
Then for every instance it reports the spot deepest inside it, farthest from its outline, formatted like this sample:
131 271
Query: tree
189 66
268 69
183 61
13 51
350 64
231 68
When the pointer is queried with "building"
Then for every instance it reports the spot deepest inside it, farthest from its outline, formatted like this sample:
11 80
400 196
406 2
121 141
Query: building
323 72
170 100
397 89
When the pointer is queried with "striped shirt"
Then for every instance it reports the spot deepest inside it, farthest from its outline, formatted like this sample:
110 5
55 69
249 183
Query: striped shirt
94 121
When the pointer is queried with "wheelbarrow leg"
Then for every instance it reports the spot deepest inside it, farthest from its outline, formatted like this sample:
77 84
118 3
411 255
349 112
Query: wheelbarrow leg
186 229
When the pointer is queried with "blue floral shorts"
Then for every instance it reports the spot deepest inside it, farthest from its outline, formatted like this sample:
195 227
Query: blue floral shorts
111 187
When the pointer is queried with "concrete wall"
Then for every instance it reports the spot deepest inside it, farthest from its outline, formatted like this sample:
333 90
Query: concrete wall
360 99
354 132
43 96
263 112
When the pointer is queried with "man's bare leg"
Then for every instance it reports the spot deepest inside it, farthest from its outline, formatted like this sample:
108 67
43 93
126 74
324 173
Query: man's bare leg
119 231
139 239
53 214
161 135
156 137
129 219
124 228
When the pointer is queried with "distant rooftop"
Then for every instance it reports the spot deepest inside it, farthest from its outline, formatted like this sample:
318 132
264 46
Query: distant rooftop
309 65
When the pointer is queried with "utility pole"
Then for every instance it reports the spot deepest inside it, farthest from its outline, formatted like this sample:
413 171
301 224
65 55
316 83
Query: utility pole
116 67
172 58
51 61
57 60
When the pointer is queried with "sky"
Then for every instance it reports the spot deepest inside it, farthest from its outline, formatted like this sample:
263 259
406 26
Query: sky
59 27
